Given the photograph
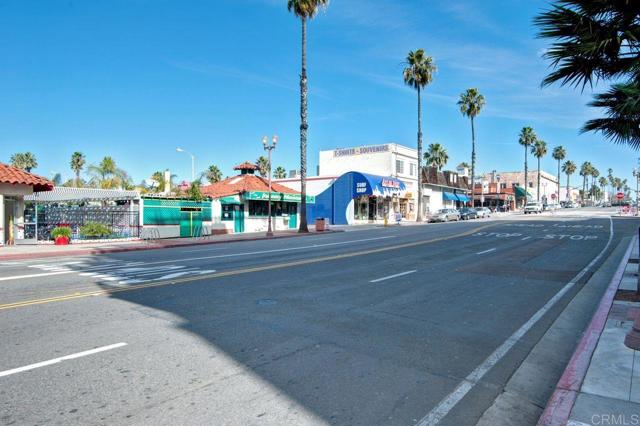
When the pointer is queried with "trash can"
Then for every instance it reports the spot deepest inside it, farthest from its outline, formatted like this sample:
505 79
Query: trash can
320 224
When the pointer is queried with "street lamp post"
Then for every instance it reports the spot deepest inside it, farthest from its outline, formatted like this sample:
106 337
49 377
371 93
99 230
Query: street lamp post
193 163
269 148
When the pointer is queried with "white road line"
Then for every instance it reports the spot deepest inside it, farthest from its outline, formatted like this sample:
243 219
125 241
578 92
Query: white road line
487 251
46 274
446 405
58 360
525 238
392 276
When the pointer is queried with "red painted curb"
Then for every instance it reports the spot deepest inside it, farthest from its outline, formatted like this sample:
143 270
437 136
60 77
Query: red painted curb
561 403
159 246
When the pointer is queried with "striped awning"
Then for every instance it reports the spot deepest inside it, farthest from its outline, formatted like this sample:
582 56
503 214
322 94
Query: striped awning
62 194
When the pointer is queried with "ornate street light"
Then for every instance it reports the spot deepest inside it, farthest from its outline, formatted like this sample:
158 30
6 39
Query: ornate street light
269 148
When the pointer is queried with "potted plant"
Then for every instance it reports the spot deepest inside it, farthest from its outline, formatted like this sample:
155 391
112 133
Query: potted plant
61 235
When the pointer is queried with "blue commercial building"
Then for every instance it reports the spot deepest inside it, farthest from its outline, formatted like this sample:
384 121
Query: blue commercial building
358 197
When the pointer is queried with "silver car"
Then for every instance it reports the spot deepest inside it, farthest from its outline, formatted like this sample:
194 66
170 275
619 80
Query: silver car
445 215
483 212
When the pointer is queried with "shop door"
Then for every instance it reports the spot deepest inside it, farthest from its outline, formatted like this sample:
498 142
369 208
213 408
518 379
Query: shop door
238 218
293 220
372 209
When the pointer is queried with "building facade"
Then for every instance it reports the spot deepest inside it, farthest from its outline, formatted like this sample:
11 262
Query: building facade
388 160
513 183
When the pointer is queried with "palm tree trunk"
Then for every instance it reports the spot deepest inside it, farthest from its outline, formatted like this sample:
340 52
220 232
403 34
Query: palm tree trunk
419 205
303 132
538 179
568 194
473 163
558 181
526 174
78 178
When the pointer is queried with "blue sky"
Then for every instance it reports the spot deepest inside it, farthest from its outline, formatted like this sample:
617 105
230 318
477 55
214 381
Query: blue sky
134 79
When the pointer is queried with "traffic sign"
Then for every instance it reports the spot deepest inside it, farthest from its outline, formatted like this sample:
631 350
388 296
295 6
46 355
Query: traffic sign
620 196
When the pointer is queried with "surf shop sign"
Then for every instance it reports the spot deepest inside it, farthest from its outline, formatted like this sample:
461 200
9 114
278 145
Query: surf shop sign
346 152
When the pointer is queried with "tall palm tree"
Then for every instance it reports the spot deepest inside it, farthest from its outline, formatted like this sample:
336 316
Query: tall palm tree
263 166
585 171
280 173
418 73
527 138
569 168
304 10
610 178
471 103
24 160
77 163
603 184
539 150
436 156
559 154
594 175
213 174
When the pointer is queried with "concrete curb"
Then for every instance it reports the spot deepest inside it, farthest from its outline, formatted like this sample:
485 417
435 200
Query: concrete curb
561 403
159 246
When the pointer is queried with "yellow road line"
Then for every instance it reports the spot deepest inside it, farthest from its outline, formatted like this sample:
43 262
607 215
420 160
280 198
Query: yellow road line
79 295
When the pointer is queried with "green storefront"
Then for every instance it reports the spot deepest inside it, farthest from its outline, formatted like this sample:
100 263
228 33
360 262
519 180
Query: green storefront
189 215
251 207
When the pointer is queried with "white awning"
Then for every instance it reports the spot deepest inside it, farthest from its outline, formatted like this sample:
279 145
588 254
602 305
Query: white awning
61 194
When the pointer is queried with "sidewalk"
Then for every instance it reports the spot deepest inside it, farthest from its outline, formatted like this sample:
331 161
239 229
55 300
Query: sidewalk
22 252
601 384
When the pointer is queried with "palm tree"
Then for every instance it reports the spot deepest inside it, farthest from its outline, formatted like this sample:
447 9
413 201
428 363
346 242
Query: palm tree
585 171
418 73
436 156
527 138
107 175
213 174
471 103
603 184
305 10
594 175
559 154
24 160
77 163
279 173
610 178
263 166
569 168
539 150
598 40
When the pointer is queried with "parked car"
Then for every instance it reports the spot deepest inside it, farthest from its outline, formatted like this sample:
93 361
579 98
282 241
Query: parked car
551 207
533 207
483 212
467 213
445 215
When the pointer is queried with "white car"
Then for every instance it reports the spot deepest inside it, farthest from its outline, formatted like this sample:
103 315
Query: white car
483 212
533 207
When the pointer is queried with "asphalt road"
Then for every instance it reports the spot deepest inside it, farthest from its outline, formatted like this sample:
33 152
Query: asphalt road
375 327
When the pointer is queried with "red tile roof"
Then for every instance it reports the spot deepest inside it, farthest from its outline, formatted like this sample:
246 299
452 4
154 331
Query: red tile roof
16 176
243 183
246 166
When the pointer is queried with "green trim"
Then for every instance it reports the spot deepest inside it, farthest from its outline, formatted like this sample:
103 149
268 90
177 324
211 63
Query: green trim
277 196
233 199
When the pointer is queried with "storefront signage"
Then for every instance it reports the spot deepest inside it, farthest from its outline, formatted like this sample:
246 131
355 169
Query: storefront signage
361 188
345 152
390 183
277 196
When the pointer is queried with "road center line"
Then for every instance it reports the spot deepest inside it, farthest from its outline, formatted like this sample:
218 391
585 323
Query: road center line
487 251
58 360
392 276
450 401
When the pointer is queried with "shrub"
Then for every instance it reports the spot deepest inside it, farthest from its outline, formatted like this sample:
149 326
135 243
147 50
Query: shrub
95 229
61 231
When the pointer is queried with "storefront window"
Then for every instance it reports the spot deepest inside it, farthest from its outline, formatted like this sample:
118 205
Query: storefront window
361 208
278 208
